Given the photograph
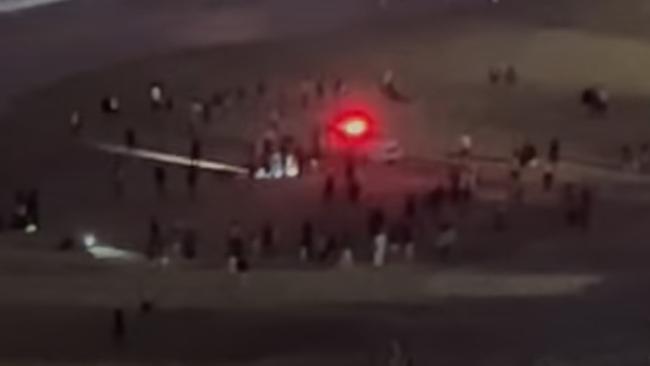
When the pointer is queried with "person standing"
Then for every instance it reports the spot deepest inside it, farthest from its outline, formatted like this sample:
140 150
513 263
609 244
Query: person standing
554 151
192 180
446 240
307 242
119 326
268 239
380 242
548 177
195 150
235 247
129 138
154 247
160 178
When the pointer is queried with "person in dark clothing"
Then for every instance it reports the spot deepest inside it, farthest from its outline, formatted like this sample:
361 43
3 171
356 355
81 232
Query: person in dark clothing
528 154
307 241
268 239
329 249
554 151
195 150
235 241
192 180
33 207
511 76
154 246
160 178
129 138
548 179
596 99
119 326
110 105
328 189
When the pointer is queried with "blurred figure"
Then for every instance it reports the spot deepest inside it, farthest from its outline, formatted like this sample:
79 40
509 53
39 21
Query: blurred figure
554 151
548 177
160 179
192 180
235 251
380 247
130 139
119 326
268 239
110 105
307 242
466 144
446 240
75 123
510 75
156 96
155 246
596 99
195 150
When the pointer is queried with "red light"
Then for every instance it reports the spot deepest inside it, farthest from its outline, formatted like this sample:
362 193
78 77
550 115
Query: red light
354 127
351 129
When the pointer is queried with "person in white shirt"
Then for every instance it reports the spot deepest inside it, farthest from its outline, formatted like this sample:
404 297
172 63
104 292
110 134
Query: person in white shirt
380 247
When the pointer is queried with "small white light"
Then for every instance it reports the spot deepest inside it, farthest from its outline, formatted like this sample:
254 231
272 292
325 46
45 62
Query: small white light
89 240
31 228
